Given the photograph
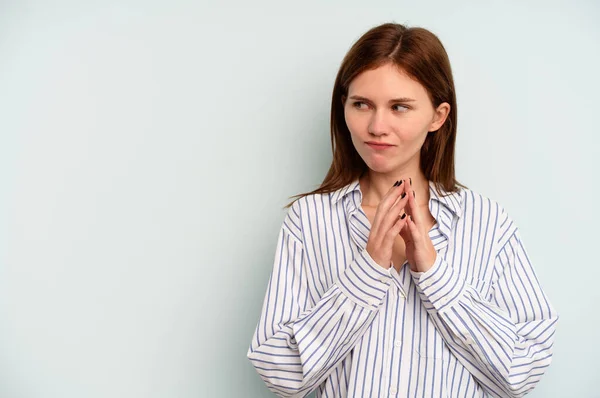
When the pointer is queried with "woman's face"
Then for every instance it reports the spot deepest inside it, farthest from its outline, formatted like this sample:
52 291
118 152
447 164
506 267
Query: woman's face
385 105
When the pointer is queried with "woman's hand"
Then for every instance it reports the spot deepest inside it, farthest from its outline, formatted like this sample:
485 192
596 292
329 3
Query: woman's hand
387 224
420 252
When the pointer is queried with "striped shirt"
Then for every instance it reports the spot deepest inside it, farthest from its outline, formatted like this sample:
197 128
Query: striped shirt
476 324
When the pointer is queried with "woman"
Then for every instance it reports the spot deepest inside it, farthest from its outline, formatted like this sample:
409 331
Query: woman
365 301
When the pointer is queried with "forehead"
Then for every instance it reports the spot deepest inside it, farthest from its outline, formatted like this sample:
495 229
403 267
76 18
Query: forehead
386 81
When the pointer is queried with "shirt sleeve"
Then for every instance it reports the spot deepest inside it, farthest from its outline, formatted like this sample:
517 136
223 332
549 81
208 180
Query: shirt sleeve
299 340
504 339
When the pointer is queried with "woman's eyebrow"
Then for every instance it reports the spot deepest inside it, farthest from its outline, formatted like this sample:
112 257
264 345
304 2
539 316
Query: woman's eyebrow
402 99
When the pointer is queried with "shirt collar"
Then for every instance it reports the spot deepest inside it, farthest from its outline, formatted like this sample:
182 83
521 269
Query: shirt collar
452 200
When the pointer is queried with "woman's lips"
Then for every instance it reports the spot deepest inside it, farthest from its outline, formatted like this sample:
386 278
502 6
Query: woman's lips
375 146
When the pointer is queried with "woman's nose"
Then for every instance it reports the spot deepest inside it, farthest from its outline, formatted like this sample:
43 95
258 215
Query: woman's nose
378 124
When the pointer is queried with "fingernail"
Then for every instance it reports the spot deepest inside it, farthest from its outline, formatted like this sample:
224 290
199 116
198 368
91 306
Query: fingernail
396 184
414 194
403 195
403 215
410 181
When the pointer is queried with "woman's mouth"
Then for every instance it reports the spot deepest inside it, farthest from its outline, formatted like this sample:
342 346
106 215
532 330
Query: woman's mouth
379 146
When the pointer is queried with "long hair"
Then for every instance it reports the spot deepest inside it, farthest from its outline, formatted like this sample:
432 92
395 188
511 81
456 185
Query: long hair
420 54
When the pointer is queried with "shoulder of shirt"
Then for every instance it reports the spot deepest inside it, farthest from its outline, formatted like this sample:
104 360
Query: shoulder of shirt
499 218
298 212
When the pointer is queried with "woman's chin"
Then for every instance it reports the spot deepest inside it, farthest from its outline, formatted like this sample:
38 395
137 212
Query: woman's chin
381 166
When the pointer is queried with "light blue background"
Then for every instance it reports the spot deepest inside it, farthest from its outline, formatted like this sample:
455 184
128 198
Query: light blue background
147 149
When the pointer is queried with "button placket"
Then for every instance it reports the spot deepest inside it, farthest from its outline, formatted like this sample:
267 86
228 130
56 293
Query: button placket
388 308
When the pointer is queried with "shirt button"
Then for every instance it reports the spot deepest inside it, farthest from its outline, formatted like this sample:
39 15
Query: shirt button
397 343
393 390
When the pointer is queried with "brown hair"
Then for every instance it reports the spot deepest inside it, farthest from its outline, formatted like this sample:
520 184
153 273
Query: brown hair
420 54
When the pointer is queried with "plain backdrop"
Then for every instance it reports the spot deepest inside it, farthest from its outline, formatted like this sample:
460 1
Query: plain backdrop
147 149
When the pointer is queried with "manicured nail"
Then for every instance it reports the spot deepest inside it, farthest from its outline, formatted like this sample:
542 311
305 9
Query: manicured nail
403 195
414 194
395 184
403 215
410 181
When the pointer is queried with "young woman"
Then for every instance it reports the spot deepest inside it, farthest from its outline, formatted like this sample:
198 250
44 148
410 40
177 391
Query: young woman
392 279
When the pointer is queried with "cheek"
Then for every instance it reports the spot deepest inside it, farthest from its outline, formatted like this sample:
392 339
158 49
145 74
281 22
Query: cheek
353 122
411 127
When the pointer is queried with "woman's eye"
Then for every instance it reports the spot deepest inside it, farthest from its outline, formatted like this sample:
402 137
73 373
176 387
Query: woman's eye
358 104
363 105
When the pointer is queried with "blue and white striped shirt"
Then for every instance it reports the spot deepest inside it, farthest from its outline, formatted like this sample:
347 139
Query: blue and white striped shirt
476 324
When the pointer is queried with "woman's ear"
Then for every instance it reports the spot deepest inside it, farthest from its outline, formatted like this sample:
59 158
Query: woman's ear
440 116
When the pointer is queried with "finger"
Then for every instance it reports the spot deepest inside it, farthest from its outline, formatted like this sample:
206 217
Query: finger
392 196
398 226
413 207
403 184
394 212
405 233
382 209
413 228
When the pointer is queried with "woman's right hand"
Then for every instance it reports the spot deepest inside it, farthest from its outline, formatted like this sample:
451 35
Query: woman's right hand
387 225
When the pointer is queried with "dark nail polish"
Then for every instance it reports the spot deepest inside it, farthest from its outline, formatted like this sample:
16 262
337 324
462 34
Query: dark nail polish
401 181
403 215
414 194
410 181
403 195
395 184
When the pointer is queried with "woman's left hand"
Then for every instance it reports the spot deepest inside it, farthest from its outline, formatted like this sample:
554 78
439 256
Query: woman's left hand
420 252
